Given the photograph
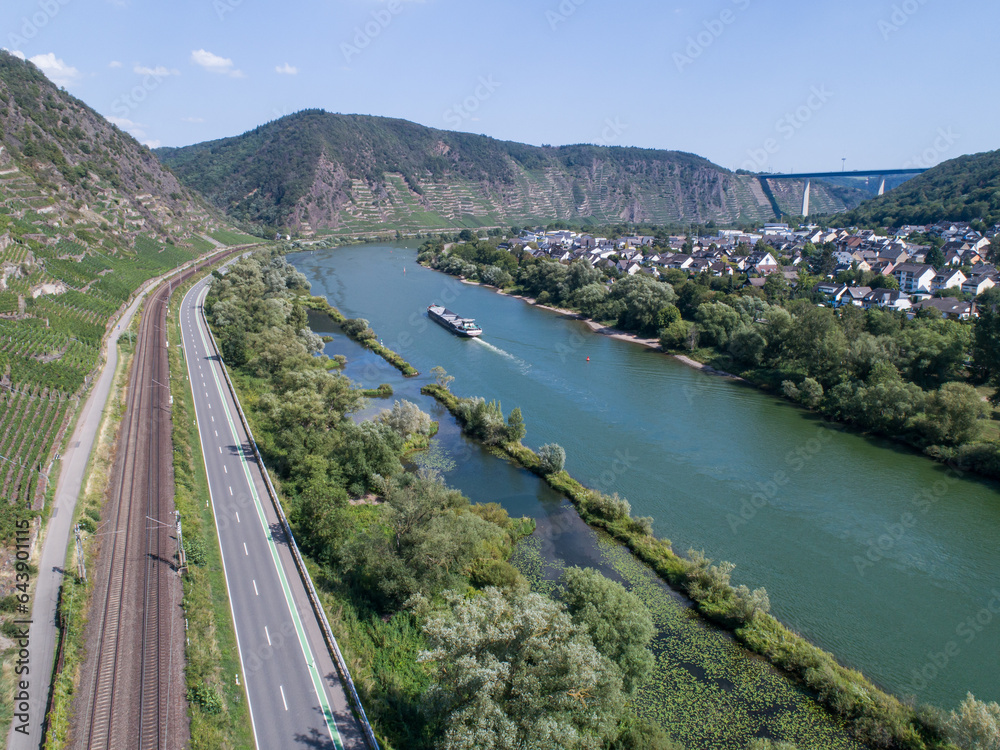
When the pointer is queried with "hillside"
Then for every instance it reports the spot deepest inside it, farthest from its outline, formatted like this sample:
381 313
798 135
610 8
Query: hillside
87 215
963 189
316 171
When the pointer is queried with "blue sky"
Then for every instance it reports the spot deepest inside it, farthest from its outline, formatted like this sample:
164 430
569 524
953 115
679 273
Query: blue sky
766 85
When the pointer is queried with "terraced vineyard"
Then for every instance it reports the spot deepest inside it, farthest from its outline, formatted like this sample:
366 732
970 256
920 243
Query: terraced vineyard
58 299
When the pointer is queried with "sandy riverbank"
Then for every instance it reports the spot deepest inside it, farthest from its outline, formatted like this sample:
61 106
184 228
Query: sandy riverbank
616 333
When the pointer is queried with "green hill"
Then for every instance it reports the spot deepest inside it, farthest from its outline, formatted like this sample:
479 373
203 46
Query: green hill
316 171
963 189
87 214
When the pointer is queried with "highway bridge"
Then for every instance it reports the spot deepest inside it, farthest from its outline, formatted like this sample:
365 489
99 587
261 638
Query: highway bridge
881 174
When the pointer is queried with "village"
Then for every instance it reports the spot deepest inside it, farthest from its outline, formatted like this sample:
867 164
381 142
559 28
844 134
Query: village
942 267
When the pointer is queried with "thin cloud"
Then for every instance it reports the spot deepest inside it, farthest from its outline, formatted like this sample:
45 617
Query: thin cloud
287 70
130 126
114 64
15 52
152 144
158 72
195 120
56 69
215 64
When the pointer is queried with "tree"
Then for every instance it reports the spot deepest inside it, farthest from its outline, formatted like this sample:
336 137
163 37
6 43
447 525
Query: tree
618 623
935 257
976 725
514 671
986 346
516 429
551 458
443 378
952 415
406 419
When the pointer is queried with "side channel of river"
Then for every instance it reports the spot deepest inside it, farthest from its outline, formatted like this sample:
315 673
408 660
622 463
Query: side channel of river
873 552
706 691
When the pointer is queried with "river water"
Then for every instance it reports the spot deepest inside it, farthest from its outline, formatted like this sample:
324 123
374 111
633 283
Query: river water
874 553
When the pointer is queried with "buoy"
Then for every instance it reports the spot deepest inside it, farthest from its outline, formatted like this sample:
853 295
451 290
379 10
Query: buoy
588 359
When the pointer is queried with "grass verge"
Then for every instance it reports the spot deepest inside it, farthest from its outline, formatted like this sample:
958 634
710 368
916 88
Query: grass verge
218 705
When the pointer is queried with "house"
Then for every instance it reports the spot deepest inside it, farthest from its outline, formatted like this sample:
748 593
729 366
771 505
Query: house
949 307
855 295
978 284
948 278
762 263
914 278
680 260
888 299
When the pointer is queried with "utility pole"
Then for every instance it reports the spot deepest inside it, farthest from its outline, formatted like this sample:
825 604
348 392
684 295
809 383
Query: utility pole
81 563
181 557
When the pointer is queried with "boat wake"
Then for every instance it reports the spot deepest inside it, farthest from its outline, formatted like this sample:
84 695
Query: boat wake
522 365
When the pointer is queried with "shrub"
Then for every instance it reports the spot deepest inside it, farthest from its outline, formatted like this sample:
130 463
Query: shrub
207 698
551 458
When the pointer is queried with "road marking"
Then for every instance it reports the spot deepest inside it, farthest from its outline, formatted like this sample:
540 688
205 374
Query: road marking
230 492
282 689
220 449
268 635
238 518
217 433
255 587
300 632
225 469
245 550
225 573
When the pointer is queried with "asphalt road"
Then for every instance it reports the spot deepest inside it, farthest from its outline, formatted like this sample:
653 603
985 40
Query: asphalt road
295 694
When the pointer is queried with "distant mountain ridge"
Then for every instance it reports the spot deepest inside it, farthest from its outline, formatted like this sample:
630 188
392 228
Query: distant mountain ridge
962 189
319 171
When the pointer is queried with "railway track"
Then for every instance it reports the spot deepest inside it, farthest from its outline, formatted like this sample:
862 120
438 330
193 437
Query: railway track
131 692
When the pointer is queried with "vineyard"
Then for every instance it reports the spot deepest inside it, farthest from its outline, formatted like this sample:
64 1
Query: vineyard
56 301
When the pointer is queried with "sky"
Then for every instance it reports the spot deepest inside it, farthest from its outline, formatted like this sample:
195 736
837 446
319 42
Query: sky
764 85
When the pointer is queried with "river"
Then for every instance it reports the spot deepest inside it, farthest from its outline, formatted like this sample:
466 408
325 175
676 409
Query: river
874 553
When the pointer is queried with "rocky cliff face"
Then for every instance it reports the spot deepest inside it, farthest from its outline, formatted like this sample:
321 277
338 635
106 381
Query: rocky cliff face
318 171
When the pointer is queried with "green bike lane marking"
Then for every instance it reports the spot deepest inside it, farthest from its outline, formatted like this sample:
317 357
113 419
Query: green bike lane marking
296 620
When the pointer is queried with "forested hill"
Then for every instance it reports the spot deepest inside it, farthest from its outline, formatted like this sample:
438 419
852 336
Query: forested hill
63 161
963 189
315 170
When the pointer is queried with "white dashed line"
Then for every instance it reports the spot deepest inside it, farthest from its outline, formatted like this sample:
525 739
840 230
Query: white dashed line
282 689
225 469
245 550
255 588
238 518
268 635
230 491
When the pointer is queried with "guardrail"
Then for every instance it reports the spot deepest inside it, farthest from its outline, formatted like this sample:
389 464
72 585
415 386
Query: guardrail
317 606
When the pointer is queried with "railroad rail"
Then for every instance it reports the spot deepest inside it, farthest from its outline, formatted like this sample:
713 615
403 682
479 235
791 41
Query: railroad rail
129 698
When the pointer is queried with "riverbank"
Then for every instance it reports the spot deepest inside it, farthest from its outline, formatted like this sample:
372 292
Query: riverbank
875 716
363 335
606 330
